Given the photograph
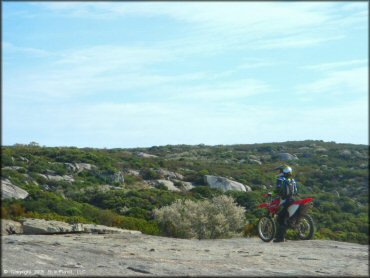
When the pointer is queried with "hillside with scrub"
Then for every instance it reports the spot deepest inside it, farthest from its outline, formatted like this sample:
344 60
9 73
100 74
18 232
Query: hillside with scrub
173 190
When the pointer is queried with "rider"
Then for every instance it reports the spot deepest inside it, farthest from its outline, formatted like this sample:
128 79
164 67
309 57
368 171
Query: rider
285 187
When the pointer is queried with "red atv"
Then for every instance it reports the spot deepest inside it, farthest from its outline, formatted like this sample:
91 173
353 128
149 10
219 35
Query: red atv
298 218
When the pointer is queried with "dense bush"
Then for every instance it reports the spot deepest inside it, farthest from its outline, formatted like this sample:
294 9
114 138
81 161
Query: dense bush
216 218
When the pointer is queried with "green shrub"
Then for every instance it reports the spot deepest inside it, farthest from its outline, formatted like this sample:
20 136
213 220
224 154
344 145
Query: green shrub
201 192
216 218
56 217
149 174
146 227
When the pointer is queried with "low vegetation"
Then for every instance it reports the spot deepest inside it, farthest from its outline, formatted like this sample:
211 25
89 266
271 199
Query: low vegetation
118 187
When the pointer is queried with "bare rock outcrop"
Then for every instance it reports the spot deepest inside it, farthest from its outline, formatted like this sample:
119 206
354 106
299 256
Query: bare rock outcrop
346 153
255 161
76 255
361 155
117 177
32 226
286 156
70 167
305 148
169 175
169 184
60 178
146 155
24 159
9 190
15 168
320 150
101 229
78 167
253 157
40 226
186 186
9 227
84 167
133 172
225 184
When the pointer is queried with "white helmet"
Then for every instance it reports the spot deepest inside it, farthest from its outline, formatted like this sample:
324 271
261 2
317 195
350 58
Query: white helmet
287 170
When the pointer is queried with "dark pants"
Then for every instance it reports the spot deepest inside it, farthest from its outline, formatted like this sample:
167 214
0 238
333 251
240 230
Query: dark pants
282 216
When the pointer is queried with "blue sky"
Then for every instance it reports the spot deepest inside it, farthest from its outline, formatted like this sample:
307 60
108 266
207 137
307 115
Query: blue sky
126 74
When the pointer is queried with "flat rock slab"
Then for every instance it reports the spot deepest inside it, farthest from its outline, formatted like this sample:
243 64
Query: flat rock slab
41 226
100 229
143 255
32 226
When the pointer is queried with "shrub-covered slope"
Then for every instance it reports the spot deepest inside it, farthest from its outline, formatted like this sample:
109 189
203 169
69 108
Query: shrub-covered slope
122 187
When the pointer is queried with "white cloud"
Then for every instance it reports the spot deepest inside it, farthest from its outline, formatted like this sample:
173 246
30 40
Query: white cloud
88 71
295 41
353 81
64 84
10 48
235 91
233 24
355 6
335 65
127 71
257 63
113 56
289 15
